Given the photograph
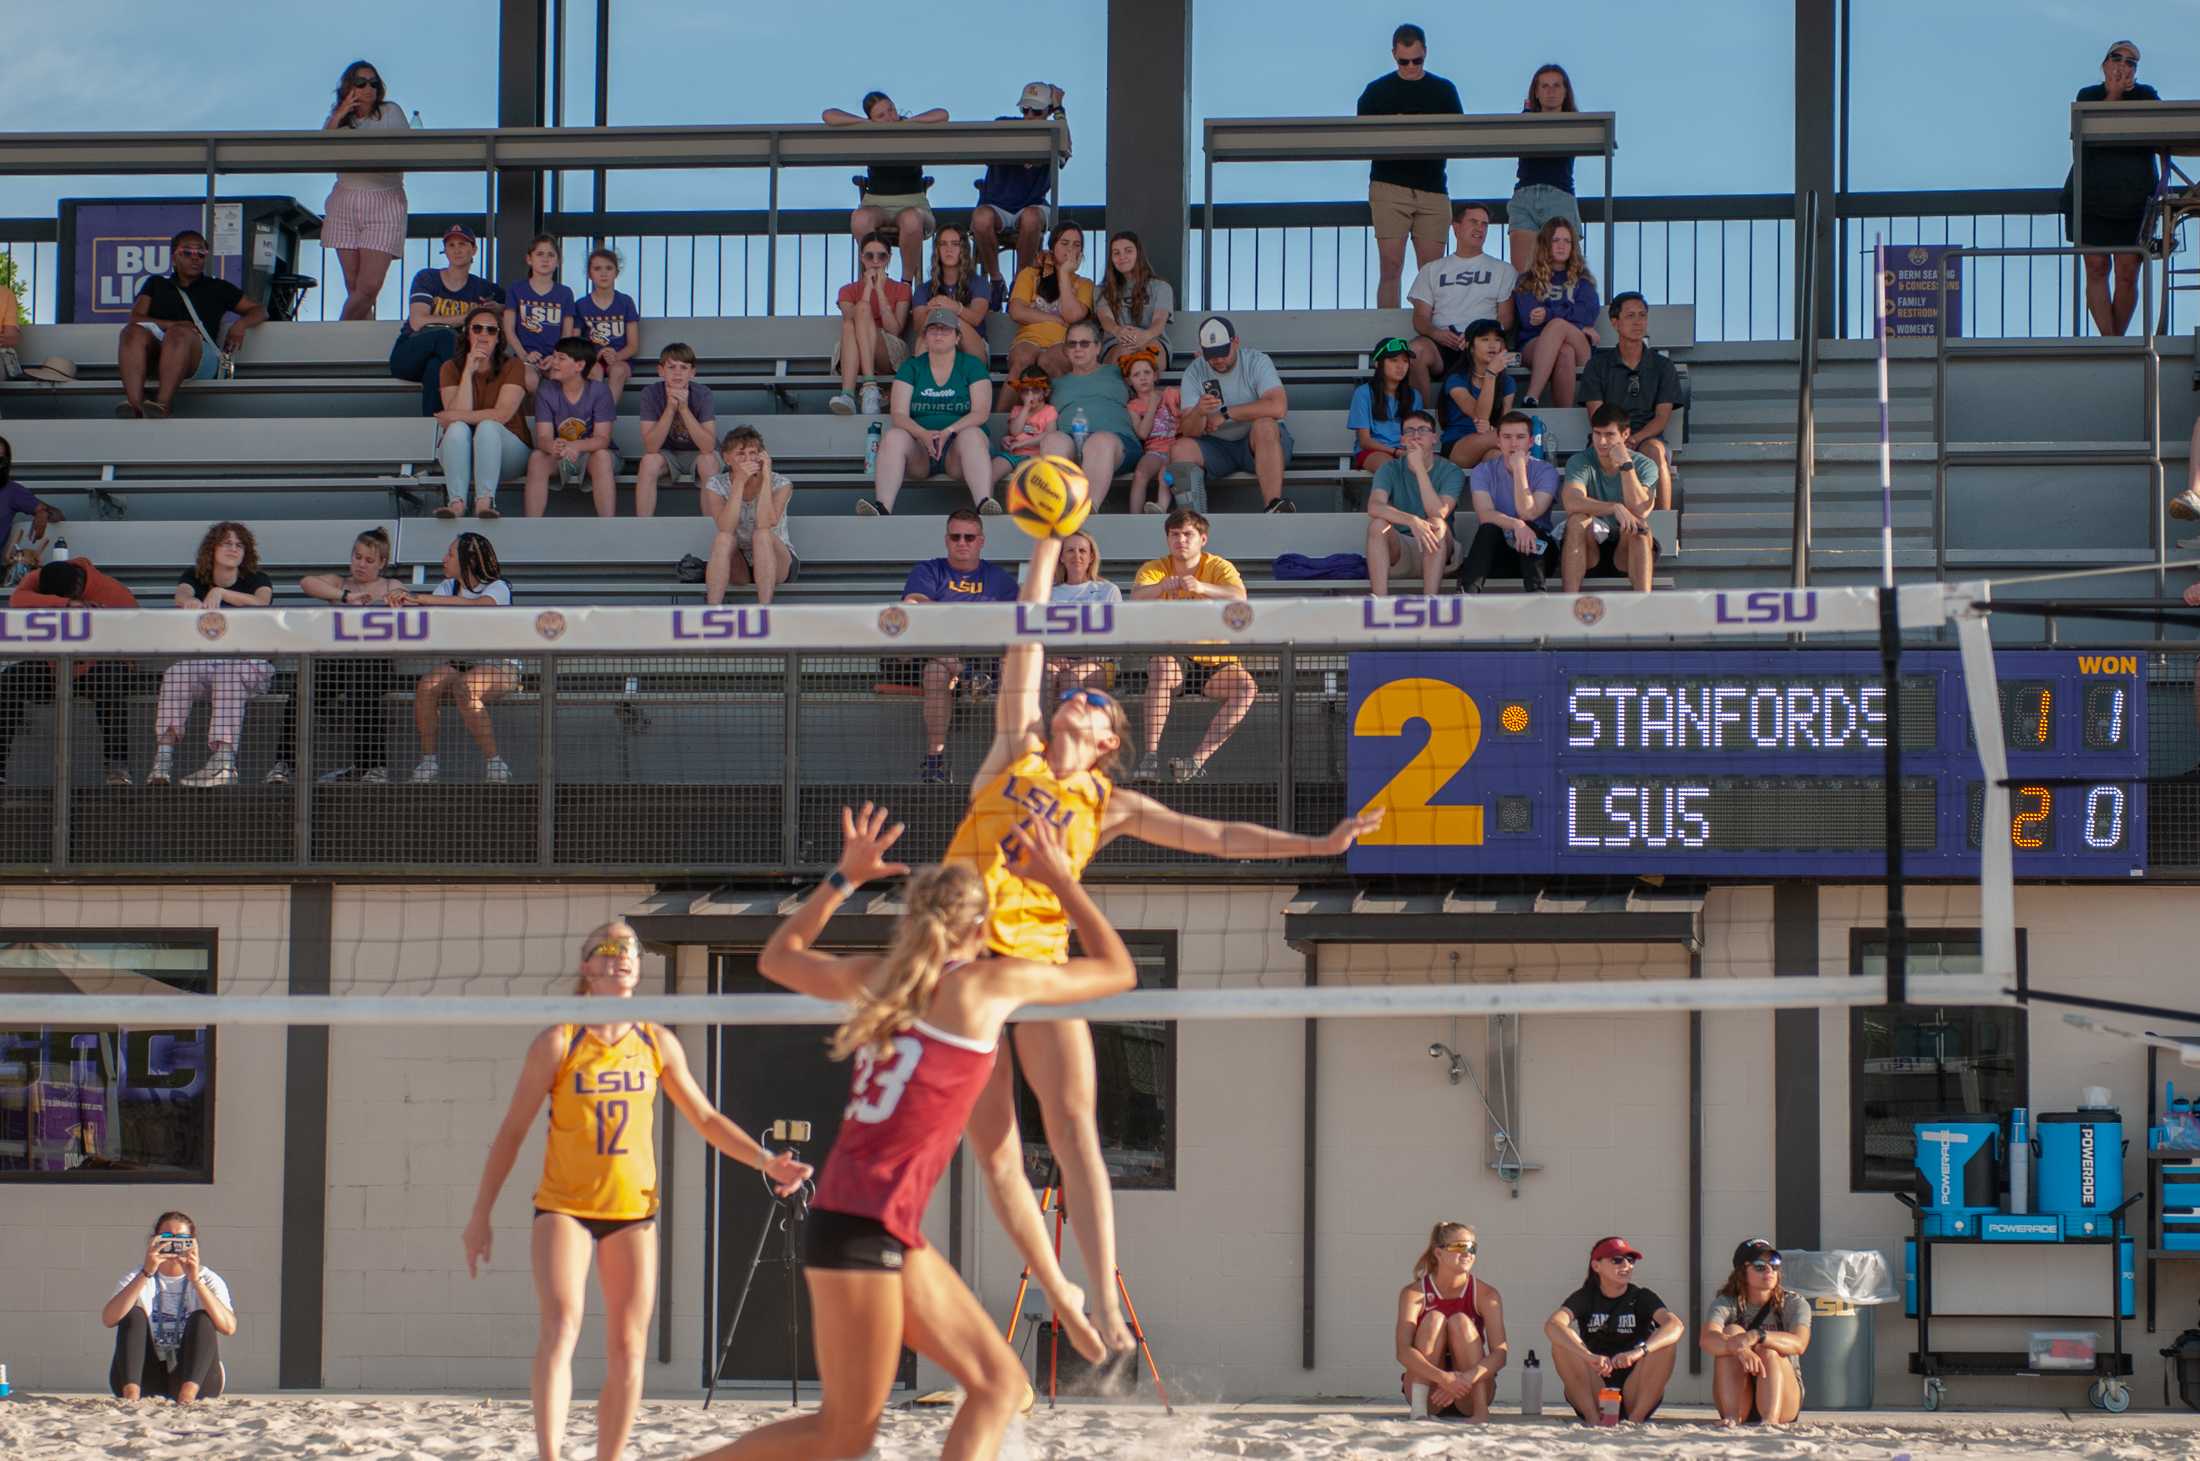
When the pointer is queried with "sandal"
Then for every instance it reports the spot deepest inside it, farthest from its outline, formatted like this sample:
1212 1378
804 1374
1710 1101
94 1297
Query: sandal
449 510
486 510
127 412
155 411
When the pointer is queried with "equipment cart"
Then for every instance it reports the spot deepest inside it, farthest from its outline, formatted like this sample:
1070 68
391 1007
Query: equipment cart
2110 1367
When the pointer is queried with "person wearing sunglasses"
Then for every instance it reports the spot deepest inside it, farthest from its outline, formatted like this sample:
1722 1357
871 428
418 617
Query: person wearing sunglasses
170 1314
874 315
597 1201
483 416
2120 183
364 217
1407 195
435 317
1057 759
961 577
1098 394
172 328
1451 1329
1613 1332
1756 1332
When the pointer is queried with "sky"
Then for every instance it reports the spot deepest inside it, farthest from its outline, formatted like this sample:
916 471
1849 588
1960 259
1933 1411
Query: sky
1947 93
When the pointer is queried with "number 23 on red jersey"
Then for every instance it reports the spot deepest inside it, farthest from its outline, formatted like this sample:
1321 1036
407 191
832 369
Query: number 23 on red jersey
879 1083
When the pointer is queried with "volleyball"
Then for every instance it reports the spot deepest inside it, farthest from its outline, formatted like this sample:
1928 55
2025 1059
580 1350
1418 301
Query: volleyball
1048 497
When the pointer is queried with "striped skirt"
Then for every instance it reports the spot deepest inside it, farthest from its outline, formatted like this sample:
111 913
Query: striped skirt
365 218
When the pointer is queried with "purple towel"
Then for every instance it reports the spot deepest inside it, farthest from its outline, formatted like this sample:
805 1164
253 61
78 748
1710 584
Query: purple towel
1329 565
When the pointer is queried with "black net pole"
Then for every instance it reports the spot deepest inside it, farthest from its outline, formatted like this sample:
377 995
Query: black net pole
1898 932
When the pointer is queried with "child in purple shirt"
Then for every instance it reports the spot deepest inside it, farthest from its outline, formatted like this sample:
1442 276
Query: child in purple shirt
609 321
573 420
538 310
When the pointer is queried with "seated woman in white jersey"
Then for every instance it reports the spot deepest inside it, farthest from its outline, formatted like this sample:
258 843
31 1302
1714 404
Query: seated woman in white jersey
598 1196
924 1032
1451 1329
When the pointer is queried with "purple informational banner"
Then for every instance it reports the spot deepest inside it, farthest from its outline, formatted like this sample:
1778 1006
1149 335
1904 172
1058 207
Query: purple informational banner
118 245
1913 282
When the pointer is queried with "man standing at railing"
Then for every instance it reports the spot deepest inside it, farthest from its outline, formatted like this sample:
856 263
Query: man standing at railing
1407 195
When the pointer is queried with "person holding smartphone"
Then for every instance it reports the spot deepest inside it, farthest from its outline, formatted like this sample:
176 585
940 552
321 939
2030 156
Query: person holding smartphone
169 1314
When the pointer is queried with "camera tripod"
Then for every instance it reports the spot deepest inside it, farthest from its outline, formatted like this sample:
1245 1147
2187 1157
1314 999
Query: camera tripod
1051 1201
787 1215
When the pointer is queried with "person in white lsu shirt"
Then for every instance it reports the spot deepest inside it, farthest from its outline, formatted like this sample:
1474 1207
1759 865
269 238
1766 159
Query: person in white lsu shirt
1452 293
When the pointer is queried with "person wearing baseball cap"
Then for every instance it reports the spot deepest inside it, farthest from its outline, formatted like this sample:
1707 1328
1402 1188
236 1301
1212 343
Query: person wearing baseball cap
1756 1332
2119 186
1233 419
1612 1331
1012 196
438 303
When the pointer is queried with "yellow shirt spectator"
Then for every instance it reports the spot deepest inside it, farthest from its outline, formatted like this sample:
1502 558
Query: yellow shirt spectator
1213 568
1041 334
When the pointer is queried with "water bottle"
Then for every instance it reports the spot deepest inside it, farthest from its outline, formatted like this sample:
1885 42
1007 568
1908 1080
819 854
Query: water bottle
416 118
1078 427
4 1387
870 448
1608 1406
1531 1386
1535 424
61 550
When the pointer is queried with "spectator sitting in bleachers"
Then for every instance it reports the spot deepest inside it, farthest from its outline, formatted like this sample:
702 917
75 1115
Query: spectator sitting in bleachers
1080 582
941 402
1544 189
1409 508
573 420
1447 296
27 543
364 217
1407 194
1133 306
484 416
353 684
610 322
958 283
436 311
1556 305
1097 395
1232 419
874 313
894 191
1512 494
1189 571
961 577
679 428
1640 381
1044 307
1607 497
1029 420
226 575
1154 410
15 497
1475 395
72 583
538 310
1379 405
1012 206
175 328
472 578
748 502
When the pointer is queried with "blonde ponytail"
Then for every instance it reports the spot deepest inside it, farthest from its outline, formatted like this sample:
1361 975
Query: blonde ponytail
1425 1265
945 904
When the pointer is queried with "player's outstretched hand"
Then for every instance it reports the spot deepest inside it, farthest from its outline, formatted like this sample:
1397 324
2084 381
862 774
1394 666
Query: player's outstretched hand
1349 831
786 1172
865 837
478 1239
1041 854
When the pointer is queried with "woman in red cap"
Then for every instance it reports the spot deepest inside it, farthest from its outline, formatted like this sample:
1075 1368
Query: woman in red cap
1612 1332
1756 1332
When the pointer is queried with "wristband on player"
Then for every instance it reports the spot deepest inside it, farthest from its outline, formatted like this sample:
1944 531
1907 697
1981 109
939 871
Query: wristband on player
838 882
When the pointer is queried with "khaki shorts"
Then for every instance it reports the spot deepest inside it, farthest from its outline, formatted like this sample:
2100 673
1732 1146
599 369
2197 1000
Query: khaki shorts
897 350
1410 556
680 465
1398 211
892 206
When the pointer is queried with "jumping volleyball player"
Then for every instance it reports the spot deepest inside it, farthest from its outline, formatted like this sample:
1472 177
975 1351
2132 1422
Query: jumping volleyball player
925 1030
1052 769
599 1186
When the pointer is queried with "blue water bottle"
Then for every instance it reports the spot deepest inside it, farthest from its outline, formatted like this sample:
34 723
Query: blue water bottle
1535 426
1078 428
870 448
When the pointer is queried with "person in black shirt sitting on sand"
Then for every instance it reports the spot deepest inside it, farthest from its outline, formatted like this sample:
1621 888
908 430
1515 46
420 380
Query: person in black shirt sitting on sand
1613 1333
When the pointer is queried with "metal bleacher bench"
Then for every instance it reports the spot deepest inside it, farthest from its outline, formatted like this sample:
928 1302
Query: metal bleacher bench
105 461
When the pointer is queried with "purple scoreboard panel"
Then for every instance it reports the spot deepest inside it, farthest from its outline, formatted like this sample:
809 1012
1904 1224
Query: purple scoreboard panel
1738 763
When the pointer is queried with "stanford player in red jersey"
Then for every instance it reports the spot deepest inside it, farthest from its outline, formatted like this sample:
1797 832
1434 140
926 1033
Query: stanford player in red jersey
925 1028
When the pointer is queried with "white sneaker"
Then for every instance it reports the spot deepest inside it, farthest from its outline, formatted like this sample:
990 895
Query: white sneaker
2185 506
498 769
842 404
278 774
376 776
428 770
340 774
219 770
871 402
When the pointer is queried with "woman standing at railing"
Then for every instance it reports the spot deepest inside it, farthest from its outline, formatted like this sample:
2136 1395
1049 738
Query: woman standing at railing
1545 186
2119 188
364 217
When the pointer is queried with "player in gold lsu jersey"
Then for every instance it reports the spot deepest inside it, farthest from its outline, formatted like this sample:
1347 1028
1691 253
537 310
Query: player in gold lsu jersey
598 1195
1053 763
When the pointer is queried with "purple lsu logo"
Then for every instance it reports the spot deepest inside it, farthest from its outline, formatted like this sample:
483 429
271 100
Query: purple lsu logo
46 626
611 1082
721 623
1768 606
380 626
1039 619
1449 612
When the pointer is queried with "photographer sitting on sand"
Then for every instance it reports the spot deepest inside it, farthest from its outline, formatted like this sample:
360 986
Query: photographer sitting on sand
166 1315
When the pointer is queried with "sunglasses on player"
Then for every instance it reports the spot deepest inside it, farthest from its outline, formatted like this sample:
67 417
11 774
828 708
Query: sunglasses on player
615 948
1098 699
1469 1249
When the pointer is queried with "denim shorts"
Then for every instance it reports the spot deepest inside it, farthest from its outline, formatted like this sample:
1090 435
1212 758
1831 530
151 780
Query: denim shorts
1532 207
1230 458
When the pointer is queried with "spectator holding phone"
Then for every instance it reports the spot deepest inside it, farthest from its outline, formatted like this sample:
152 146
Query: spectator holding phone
1233 419
1512 494
169 1315
349 688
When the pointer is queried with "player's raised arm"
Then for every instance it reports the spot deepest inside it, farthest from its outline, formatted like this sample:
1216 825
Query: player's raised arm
789 957
1132 814
1019 720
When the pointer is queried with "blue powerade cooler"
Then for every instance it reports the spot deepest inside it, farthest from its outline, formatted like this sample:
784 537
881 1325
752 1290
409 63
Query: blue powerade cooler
1959 1173
2079 1168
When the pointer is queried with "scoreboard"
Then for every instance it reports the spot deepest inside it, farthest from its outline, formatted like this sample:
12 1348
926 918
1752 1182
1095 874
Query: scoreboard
1746 762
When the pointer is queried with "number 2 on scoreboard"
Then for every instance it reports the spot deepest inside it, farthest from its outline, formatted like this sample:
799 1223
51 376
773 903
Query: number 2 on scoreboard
1454 724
